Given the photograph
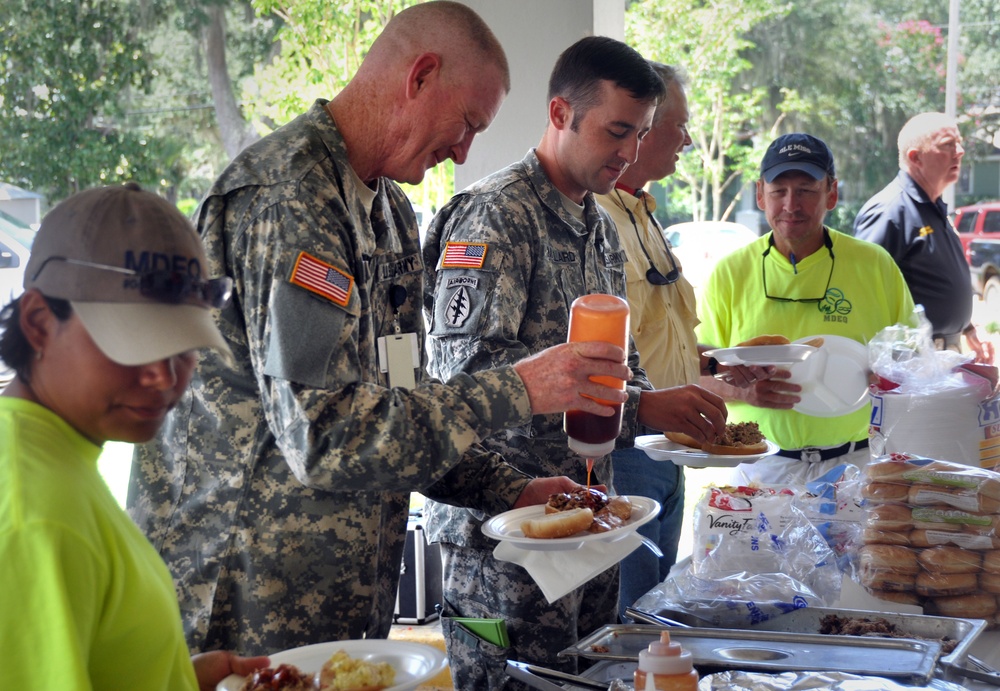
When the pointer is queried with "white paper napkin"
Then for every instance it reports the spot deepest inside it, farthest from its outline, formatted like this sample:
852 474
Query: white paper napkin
560 572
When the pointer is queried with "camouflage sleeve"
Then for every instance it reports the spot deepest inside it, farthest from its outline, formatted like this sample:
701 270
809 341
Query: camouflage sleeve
476 312
482 482
315 366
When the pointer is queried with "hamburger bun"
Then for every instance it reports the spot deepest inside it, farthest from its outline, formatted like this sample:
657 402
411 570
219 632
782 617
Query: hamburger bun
765 339
891 517
902 597
946 584
881 492
895 558
741 450
991 561
975 606
965 499
948 559
684 439
555 525
889 471
989 582
887 567
874 536
888 581
739 439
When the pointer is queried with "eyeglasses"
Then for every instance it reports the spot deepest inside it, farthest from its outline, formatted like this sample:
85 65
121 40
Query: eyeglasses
166 286
653 274
827 242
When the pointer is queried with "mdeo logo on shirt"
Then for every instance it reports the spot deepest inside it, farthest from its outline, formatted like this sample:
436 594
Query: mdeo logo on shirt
835 306
468 255
321 278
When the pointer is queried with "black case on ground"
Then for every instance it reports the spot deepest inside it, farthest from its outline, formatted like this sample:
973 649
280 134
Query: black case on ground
419 578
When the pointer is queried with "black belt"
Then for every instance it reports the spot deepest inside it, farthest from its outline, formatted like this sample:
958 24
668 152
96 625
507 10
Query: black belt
945 341
813 454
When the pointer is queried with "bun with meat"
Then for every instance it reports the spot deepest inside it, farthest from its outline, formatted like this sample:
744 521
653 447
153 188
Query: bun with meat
765 339
739 439
560 524
583 498
568 513
685 439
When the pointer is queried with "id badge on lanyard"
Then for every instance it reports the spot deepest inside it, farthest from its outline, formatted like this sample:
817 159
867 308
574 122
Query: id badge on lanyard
399 353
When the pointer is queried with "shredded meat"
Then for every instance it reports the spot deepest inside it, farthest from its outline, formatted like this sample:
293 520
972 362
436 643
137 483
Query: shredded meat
593 499
284 678
879 628
614 515
741 434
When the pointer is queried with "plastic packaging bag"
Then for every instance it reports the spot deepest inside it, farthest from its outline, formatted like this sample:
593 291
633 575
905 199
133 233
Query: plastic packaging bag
906 362
932 536
756 556
925 401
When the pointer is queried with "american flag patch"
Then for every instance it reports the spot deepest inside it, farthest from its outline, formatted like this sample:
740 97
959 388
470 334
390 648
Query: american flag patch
321 278
464 254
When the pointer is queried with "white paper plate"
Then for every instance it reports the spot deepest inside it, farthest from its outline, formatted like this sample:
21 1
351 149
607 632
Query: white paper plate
659 448
507 527
835 381
762 355
414 663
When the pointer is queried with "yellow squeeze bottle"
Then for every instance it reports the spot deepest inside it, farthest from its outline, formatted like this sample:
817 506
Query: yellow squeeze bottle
665 666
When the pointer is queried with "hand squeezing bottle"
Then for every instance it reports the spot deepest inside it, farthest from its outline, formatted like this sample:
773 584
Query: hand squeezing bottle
597 317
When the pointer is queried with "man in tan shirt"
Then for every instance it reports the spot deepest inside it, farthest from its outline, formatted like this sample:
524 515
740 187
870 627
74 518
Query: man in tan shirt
663 318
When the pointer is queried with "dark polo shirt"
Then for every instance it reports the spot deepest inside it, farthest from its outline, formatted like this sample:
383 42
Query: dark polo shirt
917 233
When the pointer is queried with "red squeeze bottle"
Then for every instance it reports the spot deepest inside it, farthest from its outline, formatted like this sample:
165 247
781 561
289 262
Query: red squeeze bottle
597 317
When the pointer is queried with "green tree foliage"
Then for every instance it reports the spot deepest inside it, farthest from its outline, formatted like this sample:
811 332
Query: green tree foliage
859 70
68 71
204 53
708 40
321 46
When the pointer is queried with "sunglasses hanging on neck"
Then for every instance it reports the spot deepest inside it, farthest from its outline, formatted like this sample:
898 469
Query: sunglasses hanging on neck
827 242
653 275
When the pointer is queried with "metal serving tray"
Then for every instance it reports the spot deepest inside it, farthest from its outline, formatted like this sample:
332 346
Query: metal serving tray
964 631
771 651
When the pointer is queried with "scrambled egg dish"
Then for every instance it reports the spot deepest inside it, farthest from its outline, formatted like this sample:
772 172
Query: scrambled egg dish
344 673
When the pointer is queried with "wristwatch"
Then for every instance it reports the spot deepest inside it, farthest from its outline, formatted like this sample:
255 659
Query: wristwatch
713 366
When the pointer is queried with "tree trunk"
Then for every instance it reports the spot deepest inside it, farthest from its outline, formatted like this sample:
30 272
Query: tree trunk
235 130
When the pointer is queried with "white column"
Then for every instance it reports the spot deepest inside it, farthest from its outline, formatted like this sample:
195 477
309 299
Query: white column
533 34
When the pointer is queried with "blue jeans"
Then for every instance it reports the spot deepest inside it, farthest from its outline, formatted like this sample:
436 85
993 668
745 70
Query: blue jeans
637 473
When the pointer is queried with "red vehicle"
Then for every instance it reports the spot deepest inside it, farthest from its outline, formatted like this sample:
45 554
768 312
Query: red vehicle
980 220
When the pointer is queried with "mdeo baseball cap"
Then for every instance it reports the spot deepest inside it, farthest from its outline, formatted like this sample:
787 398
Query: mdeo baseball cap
132 267
797 151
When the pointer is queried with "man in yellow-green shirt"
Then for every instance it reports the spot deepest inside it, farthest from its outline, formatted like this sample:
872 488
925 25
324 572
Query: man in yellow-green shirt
801 279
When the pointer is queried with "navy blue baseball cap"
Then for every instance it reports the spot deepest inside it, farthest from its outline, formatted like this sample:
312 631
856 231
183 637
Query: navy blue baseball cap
797 151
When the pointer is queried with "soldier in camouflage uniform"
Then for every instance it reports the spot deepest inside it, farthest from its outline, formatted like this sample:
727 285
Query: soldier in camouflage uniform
278 491
506 258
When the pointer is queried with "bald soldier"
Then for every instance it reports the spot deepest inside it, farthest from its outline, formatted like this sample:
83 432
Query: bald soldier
277 492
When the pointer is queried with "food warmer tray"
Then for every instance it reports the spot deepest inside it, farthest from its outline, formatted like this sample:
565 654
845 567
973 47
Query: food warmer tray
771 651
808 620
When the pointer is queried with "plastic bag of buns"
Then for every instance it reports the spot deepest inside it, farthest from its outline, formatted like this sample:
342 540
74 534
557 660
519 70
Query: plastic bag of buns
931 536
756 556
